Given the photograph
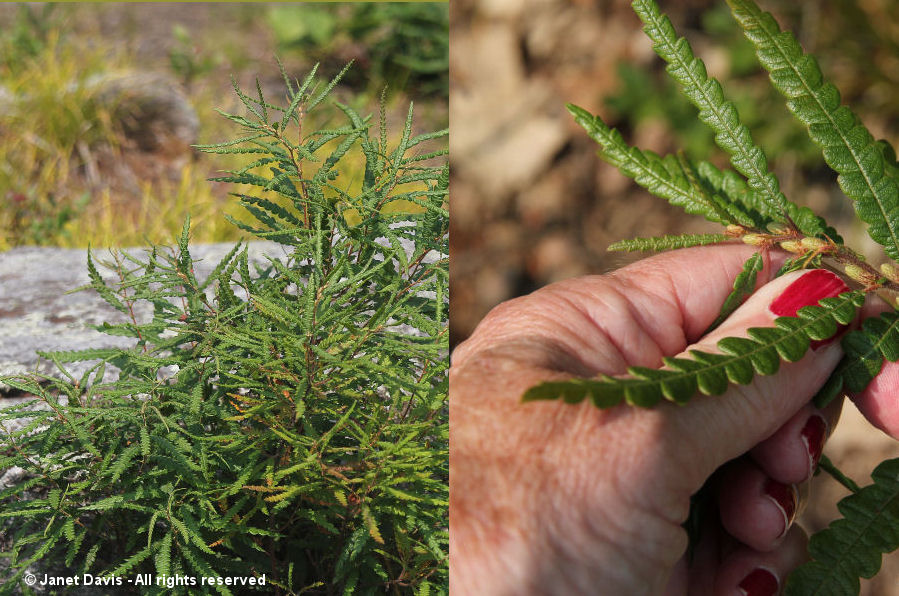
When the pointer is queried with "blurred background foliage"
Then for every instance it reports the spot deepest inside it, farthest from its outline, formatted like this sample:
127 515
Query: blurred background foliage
80 165
400 44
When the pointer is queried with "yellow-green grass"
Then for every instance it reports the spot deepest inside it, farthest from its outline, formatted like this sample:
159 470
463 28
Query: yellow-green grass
49 143
48 117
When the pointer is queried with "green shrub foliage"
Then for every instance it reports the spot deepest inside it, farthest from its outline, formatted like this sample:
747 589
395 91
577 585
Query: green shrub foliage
300 432
749 202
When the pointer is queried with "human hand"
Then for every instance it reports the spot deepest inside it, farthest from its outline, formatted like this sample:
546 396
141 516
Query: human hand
556 499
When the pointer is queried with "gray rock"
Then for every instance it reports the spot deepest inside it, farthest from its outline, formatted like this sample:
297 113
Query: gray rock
150 106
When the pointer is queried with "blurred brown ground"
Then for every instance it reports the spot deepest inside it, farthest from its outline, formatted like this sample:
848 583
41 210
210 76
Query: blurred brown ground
533 204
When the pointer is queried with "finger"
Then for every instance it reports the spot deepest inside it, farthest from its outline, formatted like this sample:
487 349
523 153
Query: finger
649 309
720 428
693 283
746 572
755 509
791 454
697 568
877 402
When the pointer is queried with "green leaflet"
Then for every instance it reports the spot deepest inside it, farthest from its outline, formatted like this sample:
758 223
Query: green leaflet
122 462
825 465
865 350
731 185
100 286
714 110
164 555
80 355
667 242
865 174
709 373
663 177
852 547
698 188
131 561
741 208
744 285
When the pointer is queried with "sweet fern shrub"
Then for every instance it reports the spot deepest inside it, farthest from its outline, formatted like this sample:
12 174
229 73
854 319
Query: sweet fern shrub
748 203
283 423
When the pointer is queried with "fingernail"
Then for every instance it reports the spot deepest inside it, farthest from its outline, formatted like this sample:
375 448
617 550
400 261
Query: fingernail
760 582
808 290
813 434
784 496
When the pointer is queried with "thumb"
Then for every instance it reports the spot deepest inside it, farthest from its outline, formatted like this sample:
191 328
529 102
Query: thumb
723 427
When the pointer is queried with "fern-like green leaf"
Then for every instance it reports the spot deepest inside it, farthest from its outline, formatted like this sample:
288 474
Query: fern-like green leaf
74 547
660 243
164 555
739 360
744 285
133 560
714 110
372 524
735 208
852 547
663 177
100 286
123 462
734 189
865 174
864 352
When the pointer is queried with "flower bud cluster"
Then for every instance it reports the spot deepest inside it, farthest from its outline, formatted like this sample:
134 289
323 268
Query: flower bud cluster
890 271
865 276
810 246
758 239
788 241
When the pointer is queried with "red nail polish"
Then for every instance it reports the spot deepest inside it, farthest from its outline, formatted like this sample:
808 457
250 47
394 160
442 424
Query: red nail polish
785 497
760 582
808 290
813 434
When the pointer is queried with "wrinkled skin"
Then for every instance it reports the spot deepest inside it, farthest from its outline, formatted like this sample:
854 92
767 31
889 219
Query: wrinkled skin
550 498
